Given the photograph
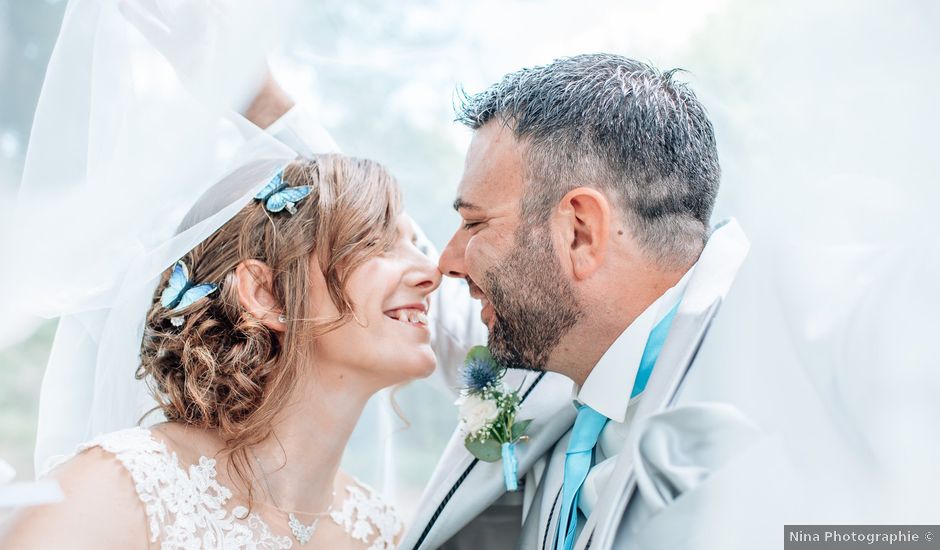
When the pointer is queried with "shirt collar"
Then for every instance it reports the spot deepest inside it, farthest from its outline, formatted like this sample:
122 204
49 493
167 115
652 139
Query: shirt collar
608 386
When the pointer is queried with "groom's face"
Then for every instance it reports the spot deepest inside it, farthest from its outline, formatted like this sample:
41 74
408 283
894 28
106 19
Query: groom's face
511 266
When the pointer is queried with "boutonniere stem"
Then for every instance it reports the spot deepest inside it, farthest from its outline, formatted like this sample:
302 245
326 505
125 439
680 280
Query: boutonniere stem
488 414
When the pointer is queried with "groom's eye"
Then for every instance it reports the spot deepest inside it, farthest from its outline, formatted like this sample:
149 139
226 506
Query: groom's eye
470 225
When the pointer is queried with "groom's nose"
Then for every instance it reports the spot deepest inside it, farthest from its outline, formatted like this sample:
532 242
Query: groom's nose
452 257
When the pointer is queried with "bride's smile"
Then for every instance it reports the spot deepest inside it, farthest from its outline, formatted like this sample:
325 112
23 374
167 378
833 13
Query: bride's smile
412 314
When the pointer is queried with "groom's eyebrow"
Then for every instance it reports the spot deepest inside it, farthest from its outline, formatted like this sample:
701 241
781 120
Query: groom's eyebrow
460 203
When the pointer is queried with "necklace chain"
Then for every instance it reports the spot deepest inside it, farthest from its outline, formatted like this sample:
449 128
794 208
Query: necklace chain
301 532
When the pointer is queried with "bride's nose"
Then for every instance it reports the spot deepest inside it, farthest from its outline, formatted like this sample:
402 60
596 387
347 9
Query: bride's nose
423 274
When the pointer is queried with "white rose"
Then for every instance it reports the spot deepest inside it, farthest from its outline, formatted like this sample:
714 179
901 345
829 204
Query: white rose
476 413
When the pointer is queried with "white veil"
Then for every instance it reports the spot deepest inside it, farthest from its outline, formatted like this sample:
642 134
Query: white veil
827 337
121 148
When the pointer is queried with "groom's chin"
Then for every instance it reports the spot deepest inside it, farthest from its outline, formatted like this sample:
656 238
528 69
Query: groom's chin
510 357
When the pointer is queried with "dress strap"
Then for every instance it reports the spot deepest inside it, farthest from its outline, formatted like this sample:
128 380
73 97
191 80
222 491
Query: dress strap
148 462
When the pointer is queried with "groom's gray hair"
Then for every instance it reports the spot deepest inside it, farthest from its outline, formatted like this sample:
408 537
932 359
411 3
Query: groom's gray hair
617 124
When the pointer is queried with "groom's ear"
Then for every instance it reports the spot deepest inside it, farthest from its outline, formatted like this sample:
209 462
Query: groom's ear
255 283
585 220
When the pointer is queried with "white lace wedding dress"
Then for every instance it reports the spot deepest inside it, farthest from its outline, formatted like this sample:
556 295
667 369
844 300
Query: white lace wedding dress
185 506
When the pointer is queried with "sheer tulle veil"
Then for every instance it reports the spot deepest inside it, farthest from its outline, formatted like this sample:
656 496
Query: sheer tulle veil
120 152
826 338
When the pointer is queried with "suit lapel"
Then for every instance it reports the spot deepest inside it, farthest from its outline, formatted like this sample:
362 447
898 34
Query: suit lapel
677 355
462 487
714 275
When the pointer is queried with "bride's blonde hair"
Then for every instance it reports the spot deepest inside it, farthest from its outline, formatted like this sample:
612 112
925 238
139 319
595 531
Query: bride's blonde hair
223 370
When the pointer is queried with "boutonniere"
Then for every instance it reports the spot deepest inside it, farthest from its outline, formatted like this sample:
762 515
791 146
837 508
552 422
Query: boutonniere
488 414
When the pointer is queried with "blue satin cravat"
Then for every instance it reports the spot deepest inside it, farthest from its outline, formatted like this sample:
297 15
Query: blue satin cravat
587 429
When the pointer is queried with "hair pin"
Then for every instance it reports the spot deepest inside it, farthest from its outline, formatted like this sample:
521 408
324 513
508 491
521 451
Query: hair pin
277 196
180 292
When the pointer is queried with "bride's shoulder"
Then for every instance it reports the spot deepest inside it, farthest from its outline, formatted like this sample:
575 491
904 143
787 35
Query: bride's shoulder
129 443
115 466
121 472
101 508
133 453
105 466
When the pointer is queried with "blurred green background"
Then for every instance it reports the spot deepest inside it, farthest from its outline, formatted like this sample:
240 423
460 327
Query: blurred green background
27 34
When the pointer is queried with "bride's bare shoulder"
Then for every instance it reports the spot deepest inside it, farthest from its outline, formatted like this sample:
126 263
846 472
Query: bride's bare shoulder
100 509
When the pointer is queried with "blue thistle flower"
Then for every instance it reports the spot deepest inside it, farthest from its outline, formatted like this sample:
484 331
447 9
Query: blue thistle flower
479 371
478 375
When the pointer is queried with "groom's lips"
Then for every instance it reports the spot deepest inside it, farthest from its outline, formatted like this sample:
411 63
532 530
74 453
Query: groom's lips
475 291
487 314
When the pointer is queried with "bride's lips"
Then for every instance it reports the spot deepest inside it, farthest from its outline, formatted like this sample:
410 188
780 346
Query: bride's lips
415 315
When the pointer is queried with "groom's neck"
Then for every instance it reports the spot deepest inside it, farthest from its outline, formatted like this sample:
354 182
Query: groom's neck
609 307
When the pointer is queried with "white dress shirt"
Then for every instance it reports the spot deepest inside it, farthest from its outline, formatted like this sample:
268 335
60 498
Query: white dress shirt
608 387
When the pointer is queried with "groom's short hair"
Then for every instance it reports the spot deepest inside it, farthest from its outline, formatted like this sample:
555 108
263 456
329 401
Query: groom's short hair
617 124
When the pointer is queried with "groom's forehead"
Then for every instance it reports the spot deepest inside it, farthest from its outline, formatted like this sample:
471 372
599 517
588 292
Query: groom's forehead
494 169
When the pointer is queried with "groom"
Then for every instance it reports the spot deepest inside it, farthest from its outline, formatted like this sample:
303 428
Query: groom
586 197
585 205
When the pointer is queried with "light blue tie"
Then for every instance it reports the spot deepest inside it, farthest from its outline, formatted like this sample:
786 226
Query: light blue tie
587 429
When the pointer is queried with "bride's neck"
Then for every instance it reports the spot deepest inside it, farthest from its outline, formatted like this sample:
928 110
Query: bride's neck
302 458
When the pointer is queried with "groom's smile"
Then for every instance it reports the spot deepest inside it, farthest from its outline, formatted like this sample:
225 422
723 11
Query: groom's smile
510 266
487 314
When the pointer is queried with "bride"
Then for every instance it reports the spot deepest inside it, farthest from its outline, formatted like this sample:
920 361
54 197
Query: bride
296 290
263 345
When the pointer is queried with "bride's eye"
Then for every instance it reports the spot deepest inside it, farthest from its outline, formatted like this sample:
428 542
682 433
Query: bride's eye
375 243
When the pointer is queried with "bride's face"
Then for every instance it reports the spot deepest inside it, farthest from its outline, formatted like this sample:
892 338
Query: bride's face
388 341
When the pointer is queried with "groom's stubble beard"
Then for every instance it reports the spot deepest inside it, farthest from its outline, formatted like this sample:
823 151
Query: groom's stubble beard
535 304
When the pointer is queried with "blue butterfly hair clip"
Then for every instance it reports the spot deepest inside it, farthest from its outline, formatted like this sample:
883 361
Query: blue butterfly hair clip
180 292
277 196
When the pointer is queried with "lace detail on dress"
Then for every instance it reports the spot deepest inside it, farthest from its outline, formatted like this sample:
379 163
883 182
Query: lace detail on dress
365 515
185 508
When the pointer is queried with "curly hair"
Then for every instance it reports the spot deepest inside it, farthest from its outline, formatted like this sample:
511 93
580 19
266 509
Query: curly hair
225 371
